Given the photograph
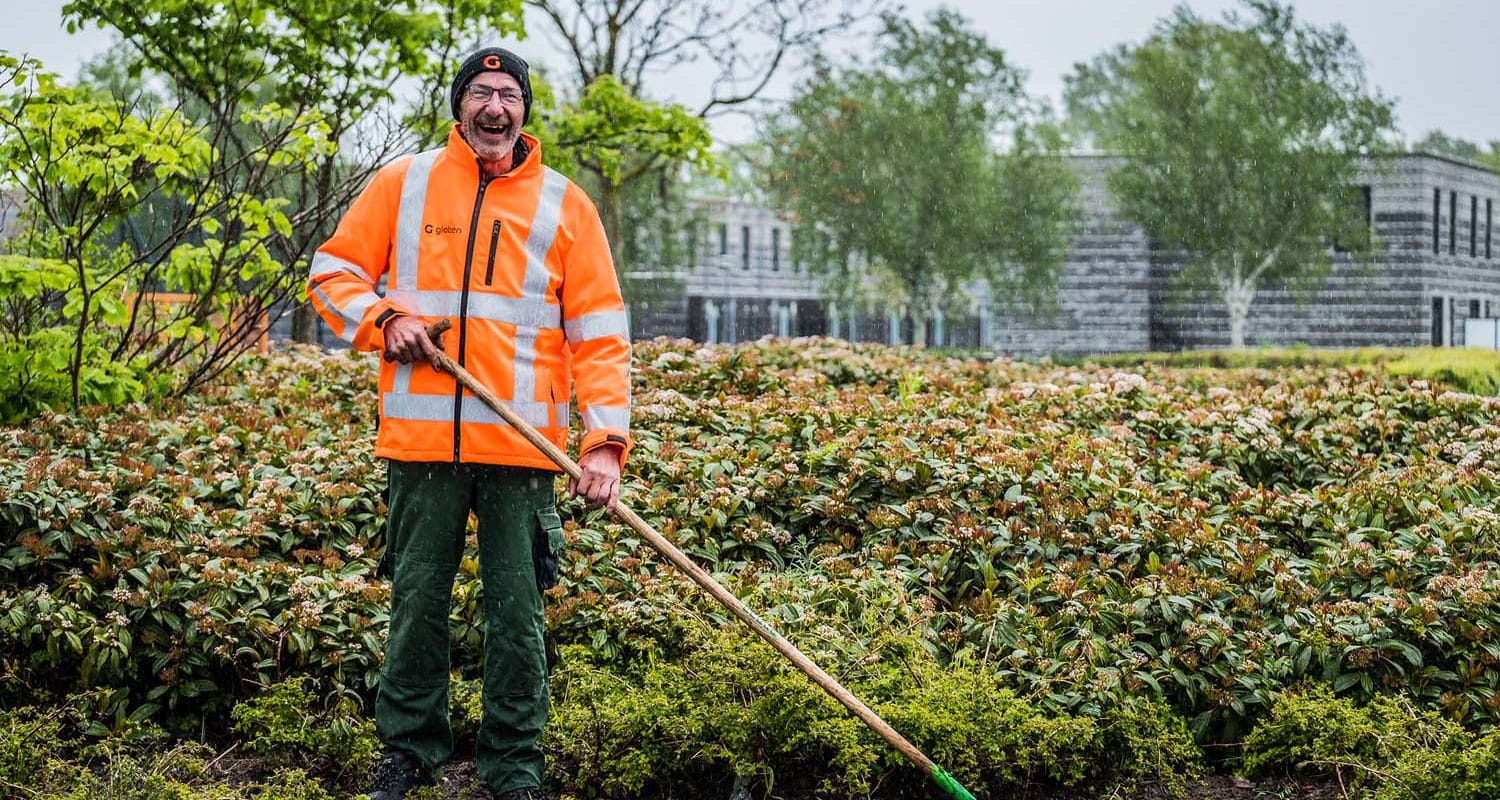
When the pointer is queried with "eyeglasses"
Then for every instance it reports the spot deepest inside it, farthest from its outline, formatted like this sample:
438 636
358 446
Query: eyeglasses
481 94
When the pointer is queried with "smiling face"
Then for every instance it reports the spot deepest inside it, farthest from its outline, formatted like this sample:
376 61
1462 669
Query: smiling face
491 127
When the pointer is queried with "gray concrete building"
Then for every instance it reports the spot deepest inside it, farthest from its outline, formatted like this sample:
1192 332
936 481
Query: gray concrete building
1435 269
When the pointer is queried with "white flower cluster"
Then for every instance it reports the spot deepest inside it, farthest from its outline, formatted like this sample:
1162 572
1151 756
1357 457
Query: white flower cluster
1126 382
1256 424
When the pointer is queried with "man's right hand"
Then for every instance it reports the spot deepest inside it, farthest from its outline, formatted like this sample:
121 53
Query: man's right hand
406 340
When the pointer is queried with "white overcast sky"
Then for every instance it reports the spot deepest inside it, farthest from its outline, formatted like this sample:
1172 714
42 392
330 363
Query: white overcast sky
1440 59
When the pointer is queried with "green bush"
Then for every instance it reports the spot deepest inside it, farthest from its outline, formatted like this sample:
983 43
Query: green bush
290 784
1315 728
48 755
282 726
1461 368
29 739
117 770
1395 750
733 707
1465 767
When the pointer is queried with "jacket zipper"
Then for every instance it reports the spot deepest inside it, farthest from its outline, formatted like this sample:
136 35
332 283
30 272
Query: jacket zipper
489 269
463 313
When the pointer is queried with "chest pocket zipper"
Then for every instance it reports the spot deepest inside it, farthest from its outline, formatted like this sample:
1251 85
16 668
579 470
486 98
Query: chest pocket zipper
489 269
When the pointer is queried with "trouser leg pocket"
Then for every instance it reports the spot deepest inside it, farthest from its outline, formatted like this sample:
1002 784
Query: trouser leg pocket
546 547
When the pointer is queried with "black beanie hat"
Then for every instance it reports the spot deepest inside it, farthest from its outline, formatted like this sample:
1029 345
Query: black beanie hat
492 59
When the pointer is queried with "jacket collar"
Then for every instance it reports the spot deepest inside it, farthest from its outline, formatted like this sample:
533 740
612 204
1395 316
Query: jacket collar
460 150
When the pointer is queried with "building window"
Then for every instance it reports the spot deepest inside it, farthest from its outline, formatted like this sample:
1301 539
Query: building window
1474 308
723 239
775 249
1437 321
1473 226
1437 220
745 247
1489 224
1453 223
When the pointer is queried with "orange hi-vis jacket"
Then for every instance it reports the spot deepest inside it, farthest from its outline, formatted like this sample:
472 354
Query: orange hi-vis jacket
519 264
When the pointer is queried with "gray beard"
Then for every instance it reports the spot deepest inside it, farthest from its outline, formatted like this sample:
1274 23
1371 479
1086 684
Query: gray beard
518 147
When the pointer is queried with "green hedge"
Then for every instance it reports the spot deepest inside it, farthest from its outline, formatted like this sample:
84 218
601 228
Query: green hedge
1464 369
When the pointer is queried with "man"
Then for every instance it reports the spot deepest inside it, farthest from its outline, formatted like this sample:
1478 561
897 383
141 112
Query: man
514 255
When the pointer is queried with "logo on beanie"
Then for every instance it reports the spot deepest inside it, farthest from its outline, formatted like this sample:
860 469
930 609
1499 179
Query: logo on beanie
492 61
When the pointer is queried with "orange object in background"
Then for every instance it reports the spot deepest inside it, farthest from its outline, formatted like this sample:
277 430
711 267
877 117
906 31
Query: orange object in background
167 300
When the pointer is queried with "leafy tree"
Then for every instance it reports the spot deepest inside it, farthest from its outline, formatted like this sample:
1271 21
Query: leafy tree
1239 142
80 317
613 49
893 166
298 59
596 136
1442 144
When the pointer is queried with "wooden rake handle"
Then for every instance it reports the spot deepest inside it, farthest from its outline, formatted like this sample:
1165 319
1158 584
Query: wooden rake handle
701 577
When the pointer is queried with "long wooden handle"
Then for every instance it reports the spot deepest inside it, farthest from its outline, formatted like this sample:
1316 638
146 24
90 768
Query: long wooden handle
697 573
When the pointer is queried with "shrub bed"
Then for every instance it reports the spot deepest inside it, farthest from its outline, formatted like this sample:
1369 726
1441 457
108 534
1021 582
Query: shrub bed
1082 538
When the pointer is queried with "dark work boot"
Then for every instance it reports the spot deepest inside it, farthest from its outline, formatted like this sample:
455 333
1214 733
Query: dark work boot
396 774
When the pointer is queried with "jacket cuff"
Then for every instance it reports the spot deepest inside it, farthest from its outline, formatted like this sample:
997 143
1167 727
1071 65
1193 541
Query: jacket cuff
378 336
593 440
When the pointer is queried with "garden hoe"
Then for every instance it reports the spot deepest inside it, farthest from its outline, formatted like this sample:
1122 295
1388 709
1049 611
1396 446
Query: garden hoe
703 579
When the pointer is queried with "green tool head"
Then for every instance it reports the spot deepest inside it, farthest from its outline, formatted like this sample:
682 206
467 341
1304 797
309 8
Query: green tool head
950 784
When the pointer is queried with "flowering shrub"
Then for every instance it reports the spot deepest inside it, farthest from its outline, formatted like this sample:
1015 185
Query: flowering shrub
1085 535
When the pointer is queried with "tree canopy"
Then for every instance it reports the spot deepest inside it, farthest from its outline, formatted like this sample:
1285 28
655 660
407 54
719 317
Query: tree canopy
894 175
1439 143
613 51
1239 143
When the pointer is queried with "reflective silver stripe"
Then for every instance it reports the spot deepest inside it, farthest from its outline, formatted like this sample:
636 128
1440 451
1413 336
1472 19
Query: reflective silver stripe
526 312
353 313
543 231
402 382
596 417
597 326
439 408
325 264
562 414
409 220
534 283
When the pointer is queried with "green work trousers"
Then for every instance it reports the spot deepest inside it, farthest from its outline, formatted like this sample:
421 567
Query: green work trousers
429 511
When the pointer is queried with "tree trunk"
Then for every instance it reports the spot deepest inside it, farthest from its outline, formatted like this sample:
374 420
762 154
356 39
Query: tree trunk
918 329
1237 298
609 214
304 323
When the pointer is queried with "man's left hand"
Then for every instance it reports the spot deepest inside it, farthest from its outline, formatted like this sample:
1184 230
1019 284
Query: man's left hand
600 484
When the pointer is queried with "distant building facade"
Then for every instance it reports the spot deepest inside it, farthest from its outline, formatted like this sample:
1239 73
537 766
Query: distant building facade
1437 266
